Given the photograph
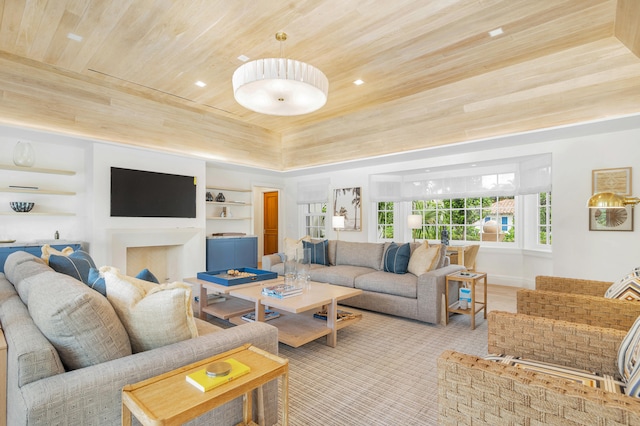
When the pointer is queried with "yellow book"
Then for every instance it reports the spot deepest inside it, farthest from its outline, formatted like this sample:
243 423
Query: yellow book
202 381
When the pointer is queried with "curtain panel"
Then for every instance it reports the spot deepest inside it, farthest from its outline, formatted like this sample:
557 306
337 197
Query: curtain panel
504 177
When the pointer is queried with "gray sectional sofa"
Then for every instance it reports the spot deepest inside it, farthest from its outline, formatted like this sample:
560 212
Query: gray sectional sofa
41 390
360 265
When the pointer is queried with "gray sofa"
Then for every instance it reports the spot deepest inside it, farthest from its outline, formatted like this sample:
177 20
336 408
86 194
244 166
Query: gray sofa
360 265
40 391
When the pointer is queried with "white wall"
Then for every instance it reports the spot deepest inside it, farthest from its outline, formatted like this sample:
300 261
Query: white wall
577 252
576 151
52 152
104 156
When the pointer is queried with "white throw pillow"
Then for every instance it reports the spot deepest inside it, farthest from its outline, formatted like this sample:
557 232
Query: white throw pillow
291 245
424 259
154 315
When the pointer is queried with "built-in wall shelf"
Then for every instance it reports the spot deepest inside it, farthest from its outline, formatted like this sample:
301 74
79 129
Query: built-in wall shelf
37 191
36 170
12 213
229 203
228 218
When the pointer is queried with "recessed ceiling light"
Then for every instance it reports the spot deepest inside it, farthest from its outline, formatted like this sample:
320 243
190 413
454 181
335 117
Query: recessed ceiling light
358 82
74 37
496 32
200 83
243 58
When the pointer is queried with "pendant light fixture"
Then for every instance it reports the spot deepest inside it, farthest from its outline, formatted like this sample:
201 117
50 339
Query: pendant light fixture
280 86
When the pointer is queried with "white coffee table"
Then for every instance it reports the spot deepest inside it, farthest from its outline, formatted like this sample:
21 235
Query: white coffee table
296 324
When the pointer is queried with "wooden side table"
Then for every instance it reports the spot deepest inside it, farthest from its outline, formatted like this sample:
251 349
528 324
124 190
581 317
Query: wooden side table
471 278
169 399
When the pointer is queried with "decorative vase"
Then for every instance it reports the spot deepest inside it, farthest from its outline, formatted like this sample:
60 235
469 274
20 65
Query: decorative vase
24 155
209 196
220 198
445 237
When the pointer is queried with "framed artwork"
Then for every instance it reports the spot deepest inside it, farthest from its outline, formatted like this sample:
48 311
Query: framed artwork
347 203
611 219
617 181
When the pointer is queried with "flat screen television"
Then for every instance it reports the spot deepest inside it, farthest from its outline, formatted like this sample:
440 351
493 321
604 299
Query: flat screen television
138 193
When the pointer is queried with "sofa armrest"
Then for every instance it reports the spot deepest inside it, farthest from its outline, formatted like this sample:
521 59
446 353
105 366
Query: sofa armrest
572 285
584 309
269 260
472 390
91 393
430 288
558 342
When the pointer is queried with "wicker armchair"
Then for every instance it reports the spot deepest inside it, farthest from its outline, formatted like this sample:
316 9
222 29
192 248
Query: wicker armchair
572 285
475 391
575 300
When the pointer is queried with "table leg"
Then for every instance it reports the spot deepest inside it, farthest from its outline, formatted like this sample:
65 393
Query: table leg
473 304
261 420
332 312
485 297
446 301
202 301
285 399
247 405
126 415
259 311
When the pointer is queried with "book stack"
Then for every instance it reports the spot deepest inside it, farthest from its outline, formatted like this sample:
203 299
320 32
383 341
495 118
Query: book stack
268 315
282 291
201 380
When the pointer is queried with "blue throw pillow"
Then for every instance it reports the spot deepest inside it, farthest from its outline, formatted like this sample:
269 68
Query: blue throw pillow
76 265
319 251
97 283
396 258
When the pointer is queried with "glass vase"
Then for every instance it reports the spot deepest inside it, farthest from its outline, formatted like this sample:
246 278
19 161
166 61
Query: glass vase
24 155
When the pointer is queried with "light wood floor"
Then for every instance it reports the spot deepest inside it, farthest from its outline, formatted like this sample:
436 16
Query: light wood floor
500 297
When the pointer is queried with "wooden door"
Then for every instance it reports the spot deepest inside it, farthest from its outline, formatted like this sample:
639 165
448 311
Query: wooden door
270 241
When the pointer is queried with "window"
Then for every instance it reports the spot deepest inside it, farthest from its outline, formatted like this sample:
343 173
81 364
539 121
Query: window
385 221
544 218
467 219
315 215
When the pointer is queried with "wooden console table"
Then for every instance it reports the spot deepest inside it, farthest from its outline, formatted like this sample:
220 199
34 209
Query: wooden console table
169 399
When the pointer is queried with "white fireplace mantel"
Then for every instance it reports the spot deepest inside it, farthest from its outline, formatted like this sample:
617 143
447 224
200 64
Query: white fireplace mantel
190 240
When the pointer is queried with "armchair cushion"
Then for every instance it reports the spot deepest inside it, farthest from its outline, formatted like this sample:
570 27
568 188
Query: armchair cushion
626 288
588 378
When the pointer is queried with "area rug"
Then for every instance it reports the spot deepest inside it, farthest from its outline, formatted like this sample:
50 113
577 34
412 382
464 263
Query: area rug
382 372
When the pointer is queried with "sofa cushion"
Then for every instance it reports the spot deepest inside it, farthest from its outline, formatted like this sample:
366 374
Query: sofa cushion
396 258
47 251
442 259
331 250
343 275
626 288
319 251
368 255
36 358
291 245
76 264
80 323
424 259
20 265
154 315
404 285
96 281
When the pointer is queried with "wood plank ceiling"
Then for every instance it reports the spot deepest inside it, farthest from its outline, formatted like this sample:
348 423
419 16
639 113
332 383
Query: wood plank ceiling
432 73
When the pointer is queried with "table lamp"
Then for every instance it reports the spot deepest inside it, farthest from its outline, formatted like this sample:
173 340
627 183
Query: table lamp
415 222
338 223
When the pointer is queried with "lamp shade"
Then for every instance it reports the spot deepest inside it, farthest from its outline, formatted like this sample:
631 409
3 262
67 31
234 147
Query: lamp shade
414 221
610 200
280 86
337 222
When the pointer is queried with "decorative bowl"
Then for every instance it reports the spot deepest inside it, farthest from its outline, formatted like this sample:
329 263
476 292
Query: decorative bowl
21 207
